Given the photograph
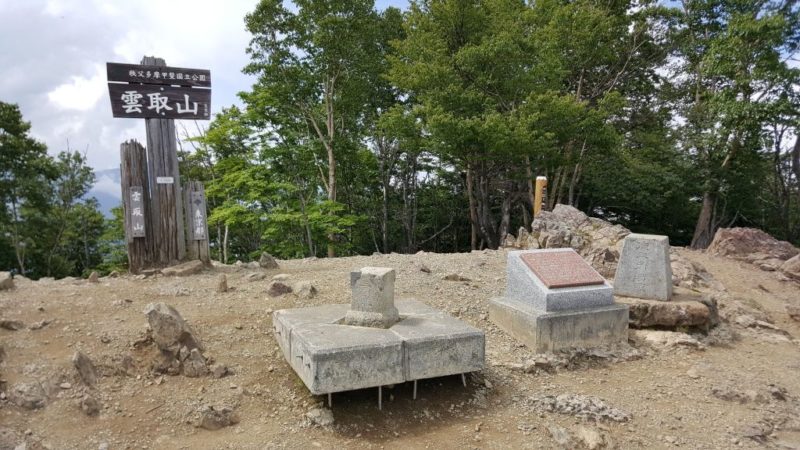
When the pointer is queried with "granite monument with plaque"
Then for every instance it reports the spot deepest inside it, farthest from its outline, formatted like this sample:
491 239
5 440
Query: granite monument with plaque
555 300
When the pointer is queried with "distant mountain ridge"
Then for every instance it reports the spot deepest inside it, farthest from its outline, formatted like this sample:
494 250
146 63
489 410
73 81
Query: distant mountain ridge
106 190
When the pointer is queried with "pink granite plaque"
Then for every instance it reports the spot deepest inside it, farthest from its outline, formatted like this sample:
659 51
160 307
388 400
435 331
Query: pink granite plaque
562 269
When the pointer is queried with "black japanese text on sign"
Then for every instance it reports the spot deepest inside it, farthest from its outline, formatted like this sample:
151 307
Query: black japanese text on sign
156 92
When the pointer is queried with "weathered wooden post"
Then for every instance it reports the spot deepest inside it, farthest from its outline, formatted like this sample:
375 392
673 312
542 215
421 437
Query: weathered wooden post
194 200
162 159
135 204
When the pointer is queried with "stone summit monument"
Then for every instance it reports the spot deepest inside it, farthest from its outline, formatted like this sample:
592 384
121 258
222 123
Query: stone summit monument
555 300
644 269
374 342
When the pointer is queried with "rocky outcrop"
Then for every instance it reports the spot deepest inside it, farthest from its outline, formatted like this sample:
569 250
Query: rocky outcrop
6 281
680 313
791 268
756 247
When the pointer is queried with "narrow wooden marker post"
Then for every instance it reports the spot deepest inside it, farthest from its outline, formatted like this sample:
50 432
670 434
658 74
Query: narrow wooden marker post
539 194
194 200
135 204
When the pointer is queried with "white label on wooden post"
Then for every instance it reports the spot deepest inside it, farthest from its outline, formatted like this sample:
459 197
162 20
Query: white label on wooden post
137 212
165 180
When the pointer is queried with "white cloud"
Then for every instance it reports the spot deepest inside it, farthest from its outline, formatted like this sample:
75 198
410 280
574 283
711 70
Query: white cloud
80 93
107 185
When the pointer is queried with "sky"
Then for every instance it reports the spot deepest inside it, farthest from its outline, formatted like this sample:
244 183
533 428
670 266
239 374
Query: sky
53 55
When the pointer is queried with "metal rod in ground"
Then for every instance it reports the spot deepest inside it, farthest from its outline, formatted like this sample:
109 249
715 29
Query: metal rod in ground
380 397
330 400
415 390
464 379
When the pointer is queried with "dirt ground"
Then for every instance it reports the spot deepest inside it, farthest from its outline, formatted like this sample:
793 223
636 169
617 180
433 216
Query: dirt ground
739 387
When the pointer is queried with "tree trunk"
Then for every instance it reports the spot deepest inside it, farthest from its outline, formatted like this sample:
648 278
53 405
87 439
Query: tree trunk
704 230
225 246
473 215
505 218
796 158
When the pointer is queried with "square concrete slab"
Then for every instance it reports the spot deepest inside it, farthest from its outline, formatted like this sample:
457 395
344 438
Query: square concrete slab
545 331
439 345
332 357
524 285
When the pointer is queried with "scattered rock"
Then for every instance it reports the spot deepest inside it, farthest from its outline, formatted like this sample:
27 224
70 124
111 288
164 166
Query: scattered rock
194 365
213 418
222 283
778 393
661 338
11 325
6 281
424 268
322 417
267 261
692 373
581 406
94 277
280 277
39 325
184 269
732 395
455 277
28 395
759 432
85 368
278 288
793 311
170 331
89 406
305 290
9 439
590 438
220 371
113 274
256 276
561 436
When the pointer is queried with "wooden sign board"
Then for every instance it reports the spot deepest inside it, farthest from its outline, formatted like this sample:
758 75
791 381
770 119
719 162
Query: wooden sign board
562 269
142 101
137 212
164 75
198 212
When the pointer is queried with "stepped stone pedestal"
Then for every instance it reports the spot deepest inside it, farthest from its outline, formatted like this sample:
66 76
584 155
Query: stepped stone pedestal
644 269
373 342
555 300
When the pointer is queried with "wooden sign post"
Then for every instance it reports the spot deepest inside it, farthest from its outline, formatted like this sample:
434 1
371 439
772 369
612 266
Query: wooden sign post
159 94
540 195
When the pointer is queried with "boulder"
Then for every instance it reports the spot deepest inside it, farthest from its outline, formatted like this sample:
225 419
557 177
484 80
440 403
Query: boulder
194 365
751 245
6 281
305 290
256 276
278 288
322 417
184 269
791 267
94 277
170 331
85 368
682 312
267 261
28 395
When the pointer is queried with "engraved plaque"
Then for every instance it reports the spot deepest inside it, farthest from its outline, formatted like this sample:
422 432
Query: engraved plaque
562 269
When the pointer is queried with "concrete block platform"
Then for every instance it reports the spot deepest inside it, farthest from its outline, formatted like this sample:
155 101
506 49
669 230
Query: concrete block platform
332 357
548 331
